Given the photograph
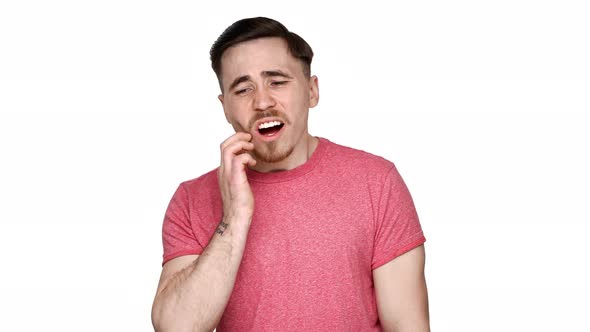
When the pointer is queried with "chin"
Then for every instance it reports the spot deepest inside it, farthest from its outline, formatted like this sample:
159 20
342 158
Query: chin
273 153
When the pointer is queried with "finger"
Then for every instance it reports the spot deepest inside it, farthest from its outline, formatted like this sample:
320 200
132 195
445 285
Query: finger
239 163
238 147
243 159
235 149
239 136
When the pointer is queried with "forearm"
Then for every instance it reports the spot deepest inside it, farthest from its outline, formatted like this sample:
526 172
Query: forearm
194 298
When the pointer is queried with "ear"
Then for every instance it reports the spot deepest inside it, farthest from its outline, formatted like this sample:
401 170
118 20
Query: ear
220 97
314 91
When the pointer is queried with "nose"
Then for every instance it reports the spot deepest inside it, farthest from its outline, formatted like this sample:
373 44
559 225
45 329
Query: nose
263 100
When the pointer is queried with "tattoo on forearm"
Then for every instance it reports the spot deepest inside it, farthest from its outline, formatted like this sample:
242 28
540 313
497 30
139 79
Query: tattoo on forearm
221 228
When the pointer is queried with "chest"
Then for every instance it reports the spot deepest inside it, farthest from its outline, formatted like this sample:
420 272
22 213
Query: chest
319 229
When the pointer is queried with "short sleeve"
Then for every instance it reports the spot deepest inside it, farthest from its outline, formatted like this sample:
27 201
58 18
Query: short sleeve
397 228
177 234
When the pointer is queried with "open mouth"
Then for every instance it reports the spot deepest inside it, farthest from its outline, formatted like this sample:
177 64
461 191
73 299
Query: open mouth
270 128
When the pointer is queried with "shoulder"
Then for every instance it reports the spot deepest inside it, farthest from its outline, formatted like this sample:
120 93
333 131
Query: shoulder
356 161
202 184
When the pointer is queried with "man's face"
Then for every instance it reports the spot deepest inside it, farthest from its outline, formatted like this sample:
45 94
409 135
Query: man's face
266 94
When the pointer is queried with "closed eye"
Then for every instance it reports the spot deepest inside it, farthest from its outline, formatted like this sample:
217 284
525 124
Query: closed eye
279 82
242 91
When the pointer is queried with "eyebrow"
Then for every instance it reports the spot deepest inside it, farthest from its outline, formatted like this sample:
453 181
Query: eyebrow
239 80
266 73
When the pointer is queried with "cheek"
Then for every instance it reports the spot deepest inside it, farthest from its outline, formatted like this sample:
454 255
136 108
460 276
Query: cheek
239 105
235 116
299 102
292 100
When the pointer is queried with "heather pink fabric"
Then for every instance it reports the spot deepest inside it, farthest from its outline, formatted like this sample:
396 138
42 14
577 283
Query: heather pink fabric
317 233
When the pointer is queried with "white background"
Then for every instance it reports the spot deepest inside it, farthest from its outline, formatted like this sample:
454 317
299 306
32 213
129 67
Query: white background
105 107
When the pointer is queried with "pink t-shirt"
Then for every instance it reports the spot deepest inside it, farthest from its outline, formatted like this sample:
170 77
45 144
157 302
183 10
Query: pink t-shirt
317 233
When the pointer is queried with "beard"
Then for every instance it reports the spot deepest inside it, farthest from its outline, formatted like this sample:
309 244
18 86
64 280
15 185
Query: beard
272 152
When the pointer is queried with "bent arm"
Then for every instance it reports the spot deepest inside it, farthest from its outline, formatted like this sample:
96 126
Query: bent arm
194 290
402 297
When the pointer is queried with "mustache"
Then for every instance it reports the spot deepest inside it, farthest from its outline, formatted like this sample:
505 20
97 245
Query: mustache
268 114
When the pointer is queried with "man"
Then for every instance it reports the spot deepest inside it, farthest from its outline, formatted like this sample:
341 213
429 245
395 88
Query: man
292 232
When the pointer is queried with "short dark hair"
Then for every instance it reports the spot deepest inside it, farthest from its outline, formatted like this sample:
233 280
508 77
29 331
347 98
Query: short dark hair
259 27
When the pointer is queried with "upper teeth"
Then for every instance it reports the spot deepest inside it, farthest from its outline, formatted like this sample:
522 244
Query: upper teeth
269 124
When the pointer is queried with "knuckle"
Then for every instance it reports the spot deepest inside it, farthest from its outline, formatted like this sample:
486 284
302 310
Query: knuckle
239 159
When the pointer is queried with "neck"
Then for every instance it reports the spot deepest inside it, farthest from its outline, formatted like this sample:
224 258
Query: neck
300 155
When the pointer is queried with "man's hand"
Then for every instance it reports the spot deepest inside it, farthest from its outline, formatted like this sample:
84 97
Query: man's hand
236 194
195 289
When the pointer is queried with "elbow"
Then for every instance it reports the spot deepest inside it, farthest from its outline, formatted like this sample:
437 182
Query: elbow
167 319
158 317
163 319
